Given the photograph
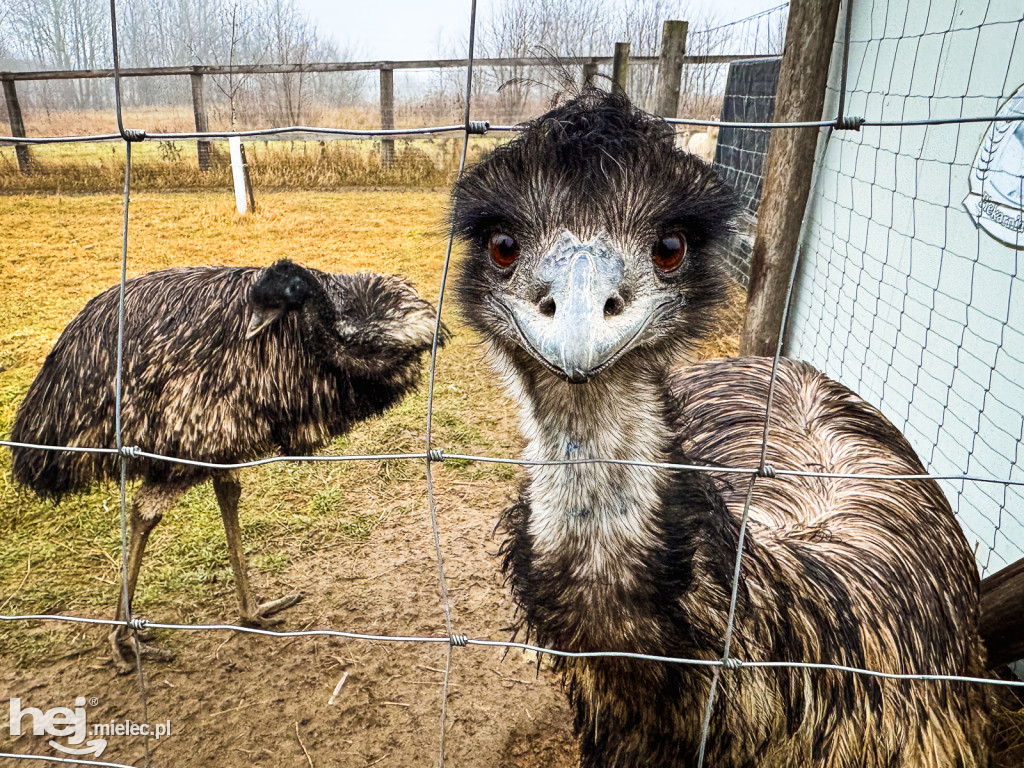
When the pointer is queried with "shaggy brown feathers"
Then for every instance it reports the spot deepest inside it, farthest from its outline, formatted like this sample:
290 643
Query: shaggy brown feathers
195 387
612 557
221 365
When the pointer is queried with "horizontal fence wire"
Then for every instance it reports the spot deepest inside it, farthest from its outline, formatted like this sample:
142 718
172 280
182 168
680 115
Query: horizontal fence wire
439 455
370 133
64 760
463 640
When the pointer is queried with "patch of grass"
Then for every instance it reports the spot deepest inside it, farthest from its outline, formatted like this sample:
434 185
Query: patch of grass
26 644
358 527
325 502
272 562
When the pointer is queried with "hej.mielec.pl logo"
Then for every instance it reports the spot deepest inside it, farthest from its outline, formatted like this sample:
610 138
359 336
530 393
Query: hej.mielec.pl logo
72 725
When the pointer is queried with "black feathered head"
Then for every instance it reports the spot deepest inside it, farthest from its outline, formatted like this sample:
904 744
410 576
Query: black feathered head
590 239
365 323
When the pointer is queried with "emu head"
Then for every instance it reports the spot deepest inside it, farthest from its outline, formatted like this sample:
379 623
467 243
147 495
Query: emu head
365 323
590 241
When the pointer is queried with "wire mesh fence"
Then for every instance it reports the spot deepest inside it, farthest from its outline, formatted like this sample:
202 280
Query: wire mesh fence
855 314
904 294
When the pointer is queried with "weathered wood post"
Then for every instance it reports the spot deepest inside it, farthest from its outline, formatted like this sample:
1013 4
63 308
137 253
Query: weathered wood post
387 115
620 67
247 178
17 124
202 125
589 72
245 200
670 67
803 75
1002 620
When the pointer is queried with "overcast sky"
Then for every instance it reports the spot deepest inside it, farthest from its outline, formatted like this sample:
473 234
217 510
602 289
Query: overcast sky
418 29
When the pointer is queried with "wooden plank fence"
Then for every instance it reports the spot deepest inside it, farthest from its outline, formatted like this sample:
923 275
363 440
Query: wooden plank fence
670 65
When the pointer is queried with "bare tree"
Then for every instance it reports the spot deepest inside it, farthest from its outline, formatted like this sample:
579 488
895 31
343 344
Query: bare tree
238 35
75 34
61 34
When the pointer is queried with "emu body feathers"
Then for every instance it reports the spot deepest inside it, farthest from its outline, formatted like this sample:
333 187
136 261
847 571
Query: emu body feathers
221 365
617 557
194 386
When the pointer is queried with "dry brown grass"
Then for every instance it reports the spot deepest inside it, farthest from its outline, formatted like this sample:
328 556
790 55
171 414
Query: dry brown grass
180 119
173 165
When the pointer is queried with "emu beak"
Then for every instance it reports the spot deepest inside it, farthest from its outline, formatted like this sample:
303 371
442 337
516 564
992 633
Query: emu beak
260 319
580 324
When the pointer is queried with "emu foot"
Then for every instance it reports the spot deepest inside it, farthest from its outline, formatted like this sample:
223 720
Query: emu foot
122 648
263 616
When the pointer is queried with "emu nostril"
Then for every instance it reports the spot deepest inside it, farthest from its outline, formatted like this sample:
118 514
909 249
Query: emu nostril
614 306
547 306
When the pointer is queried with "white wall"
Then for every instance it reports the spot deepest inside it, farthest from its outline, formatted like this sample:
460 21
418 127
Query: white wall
900 295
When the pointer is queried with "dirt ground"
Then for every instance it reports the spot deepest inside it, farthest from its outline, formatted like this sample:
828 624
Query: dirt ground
242 700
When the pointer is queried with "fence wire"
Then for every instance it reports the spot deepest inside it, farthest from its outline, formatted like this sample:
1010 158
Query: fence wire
826 277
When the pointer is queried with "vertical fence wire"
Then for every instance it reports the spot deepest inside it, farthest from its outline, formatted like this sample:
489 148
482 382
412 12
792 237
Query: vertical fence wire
763 469
442 580
118 391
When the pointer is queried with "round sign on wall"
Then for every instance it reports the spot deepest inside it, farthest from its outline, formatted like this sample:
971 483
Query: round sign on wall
996 199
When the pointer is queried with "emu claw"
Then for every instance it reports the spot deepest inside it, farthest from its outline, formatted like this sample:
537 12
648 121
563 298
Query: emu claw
262 617
123 651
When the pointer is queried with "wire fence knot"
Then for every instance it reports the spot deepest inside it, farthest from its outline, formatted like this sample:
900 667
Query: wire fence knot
766 470
435 454
849 123
130 451
732 663
137 624
478 127
460 641
133 134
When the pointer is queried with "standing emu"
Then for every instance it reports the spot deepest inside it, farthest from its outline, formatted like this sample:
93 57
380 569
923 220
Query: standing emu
220 365
590 267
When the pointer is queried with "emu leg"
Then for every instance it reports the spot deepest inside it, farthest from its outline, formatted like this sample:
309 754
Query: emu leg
228 491
148 507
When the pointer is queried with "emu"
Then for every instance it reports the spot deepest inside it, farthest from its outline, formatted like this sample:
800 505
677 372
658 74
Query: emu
590 268
222 365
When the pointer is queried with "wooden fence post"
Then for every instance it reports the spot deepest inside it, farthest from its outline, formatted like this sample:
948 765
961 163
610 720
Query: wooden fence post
589 72
620 67
387 115
670 67
17 124
1002 621
247 178
202 125
803 74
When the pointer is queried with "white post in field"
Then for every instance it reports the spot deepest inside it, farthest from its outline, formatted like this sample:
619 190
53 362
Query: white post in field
238 174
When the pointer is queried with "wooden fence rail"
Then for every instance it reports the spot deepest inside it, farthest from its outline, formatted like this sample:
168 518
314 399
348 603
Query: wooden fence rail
670 66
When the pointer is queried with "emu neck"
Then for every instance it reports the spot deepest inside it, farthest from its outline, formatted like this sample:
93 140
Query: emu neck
319 318
595 514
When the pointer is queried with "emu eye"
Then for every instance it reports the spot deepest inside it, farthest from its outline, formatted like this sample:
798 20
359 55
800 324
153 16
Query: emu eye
295 290
669 252
504 250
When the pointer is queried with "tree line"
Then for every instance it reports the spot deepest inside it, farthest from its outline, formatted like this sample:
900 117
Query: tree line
75 34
